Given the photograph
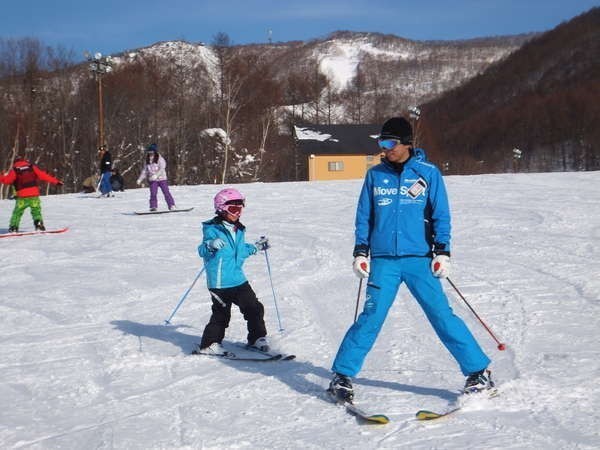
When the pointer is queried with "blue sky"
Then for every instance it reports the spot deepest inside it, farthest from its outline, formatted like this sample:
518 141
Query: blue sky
111 26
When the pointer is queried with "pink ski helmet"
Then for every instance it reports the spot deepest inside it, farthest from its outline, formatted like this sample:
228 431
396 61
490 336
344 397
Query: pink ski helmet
230 201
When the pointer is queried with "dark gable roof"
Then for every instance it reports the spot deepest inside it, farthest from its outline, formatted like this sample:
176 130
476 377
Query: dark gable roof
337 139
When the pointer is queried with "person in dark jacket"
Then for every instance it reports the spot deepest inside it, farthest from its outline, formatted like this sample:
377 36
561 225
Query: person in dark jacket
403 236
24 177
105 171
116 181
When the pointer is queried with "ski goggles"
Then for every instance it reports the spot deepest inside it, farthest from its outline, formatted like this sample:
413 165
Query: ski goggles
388 144
234 207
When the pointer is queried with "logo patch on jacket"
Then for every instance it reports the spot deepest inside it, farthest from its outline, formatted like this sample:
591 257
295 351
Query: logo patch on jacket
418 188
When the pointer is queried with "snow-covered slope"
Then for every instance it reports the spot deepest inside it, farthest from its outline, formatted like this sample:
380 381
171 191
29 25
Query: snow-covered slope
87 362
410 62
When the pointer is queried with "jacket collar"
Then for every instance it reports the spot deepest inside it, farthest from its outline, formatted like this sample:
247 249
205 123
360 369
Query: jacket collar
218 220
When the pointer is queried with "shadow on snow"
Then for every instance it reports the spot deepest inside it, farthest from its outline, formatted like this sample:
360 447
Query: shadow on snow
292 373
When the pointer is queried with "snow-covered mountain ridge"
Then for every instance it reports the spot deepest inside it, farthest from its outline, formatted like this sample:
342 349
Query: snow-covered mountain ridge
415 69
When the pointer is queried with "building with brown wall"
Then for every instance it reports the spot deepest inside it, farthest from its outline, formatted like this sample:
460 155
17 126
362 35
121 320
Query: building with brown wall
336 152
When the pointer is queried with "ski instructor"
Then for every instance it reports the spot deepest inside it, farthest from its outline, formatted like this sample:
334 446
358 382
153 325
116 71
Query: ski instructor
403 224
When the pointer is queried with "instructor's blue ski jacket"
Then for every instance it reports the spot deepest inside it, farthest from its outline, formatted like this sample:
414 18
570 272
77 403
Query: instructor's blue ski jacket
403 213
224 266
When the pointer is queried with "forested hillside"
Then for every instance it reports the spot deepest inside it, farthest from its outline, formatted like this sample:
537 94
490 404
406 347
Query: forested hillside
218 112
541 100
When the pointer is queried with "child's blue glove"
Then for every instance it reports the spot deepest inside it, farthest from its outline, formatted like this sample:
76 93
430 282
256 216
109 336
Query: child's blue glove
215 244
262 243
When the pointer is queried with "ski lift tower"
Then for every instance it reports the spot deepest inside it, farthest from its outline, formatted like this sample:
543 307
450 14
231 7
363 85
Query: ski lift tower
414 112
99 66
517 155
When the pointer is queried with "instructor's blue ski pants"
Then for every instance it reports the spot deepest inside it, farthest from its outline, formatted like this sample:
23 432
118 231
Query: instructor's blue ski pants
386 275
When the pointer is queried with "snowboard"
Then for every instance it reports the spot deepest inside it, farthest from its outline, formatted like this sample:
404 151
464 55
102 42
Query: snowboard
30 233
162 211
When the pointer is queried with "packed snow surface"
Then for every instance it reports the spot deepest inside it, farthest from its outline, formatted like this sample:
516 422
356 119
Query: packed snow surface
87 362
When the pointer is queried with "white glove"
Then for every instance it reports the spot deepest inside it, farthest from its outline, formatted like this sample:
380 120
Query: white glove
262 243
440 266
361 266
139 182
215 244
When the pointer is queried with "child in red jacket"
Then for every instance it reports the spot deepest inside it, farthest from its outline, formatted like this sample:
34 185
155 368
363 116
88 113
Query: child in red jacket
24 177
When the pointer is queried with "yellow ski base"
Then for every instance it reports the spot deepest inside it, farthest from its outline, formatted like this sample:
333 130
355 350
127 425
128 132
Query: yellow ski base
361 414
430 415
378 418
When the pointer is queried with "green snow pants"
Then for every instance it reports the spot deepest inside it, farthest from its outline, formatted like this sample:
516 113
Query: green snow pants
21 205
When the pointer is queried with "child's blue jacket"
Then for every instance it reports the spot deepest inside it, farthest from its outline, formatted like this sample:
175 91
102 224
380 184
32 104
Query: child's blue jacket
224 266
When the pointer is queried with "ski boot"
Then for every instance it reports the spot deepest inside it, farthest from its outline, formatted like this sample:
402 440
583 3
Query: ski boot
478 382
13 229
261 345
340 387
214 349
39 225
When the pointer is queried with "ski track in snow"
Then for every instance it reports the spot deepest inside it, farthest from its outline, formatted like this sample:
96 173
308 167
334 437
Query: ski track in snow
87 362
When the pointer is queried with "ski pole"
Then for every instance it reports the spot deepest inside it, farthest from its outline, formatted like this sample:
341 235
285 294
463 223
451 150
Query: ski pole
358 299
273 289
501 346
168 321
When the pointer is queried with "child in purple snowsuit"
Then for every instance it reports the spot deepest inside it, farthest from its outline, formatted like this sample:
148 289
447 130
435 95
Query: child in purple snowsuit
155 171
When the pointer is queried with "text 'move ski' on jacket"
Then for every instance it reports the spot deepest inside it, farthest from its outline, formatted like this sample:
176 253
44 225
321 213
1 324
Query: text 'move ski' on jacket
403 213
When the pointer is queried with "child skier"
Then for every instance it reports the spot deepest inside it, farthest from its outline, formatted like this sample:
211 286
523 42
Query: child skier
224 251
24 177
155 170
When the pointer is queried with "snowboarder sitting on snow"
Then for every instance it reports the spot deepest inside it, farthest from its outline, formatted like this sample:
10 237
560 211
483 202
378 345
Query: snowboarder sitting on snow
155 170
89 184
403 224
116 181
24 177
224 251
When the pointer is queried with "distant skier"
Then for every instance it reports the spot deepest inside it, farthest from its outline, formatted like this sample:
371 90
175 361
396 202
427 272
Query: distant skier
403 222
105 171
24 177
224 251
155 171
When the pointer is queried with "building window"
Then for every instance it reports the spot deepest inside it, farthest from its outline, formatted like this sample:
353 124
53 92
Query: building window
335 166
370 161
